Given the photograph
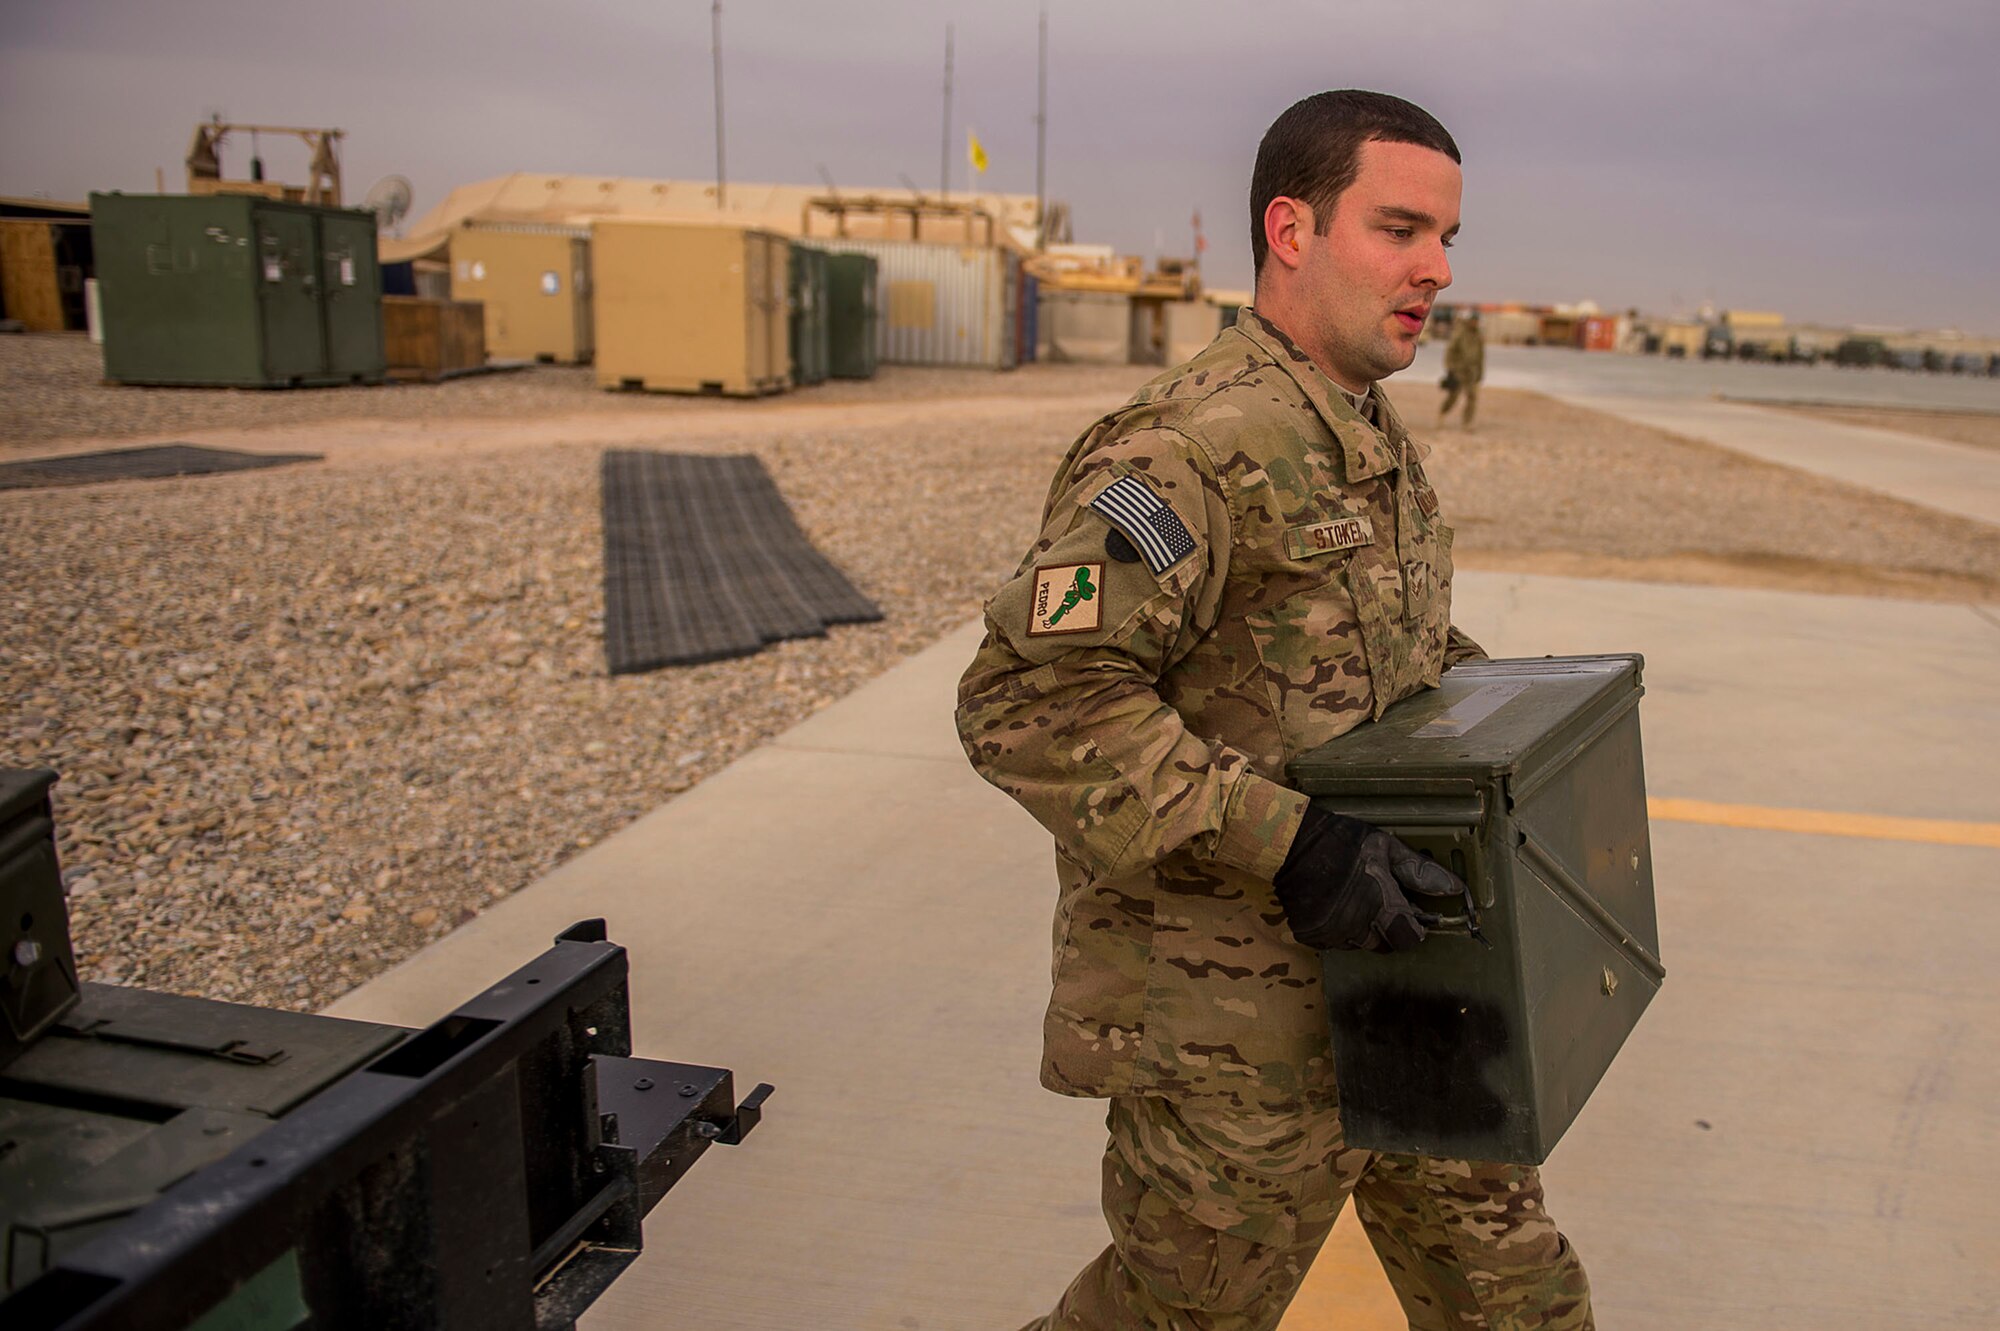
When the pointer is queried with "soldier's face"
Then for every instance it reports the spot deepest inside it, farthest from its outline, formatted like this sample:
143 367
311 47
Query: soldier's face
1369 280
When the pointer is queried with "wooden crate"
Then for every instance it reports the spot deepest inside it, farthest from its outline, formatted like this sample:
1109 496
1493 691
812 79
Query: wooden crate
429 339
28 285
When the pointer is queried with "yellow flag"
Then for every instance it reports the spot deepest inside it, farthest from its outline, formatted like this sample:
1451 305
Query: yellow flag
976 151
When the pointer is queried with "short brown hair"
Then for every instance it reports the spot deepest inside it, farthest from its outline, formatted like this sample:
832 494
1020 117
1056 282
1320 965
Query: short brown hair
1313 152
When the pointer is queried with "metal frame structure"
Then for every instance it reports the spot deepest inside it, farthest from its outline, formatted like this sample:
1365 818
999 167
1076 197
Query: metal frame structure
916 210
489 1172
204 159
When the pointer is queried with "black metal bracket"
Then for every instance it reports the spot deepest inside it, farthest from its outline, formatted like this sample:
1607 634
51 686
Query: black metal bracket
748 1115
491 1170
739 1124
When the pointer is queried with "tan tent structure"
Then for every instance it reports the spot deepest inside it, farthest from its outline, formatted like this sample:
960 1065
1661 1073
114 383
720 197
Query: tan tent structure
811 211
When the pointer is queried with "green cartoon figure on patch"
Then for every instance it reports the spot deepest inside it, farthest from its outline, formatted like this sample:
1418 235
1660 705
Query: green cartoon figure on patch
1079 592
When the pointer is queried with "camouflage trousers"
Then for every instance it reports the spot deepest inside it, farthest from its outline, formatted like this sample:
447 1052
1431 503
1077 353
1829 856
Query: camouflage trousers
1216 1214
1471 390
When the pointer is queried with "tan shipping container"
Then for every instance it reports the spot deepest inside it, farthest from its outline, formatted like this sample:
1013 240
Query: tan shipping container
1167 332
535 284
685 308
428 339
1683 339
942 304
1509 327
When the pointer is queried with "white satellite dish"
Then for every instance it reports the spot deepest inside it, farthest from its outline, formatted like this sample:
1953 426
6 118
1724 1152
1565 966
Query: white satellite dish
389 199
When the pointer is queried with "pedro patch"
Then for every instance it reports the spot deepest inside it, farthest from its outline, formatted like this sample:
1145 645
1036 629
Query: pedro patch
1069 598
1325 538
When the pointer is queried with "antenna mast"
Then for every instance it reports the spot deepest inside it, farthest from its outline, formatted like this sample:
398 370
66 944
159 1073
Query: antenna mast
944 152
721 177
1042 135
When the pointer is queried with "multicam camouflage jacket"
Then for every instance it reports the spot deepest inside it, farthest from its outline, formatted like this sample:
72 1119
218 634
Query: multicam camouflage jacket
1465 354
1234 568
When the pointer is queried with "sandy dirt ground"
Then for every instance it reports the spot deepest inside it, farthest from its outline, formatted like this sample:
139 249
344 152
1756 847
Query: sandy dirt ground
1980 429
311 717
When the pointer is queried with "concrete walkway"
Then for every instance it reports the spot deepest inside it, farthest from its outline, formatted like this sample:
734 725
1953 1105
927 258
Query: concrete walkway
1957 478
1801 1133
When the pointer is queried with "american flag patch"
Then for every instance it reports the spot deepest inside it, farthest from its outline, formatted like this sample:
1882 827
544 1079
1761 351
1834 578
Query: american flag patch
1147 521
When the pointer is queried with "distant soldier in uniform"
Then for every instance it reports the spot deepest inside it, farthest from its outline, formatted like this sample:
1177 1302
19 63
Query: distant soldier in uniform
1242 563
1464 366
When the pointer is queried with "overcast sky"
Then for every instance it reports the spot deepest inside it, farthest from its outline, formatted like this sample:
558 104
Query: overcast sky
1833 160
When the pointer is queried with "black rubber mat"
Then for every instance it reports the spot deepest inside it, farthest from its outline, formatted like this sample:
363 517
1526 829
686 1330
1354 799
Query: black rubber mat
703 560
150 463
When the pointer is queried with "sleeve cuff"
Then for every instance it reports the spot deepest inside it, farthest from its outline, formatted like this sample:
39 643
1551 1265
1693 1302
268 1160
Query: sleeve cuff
1459 649
1258 825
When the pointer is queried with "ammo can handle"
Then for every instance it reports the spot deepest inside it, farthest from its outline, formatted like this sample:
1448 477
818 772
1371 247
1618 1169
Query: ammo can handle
1390 811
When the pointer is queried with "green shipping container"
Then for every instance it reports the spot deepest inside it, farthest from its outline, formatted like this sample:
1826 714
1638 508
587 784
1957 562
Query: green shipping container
810 346
230 290
1525 778
851 315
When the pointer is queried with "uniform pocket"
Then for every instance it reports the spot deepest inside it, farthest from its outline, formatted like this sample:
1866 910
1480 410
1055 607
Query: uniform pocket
1420 558
1213 1197
1392 662
1315 663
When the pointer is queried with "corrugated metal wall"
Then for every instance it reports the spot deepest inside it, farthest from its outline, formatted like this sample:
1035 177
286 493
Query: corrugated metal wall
940 304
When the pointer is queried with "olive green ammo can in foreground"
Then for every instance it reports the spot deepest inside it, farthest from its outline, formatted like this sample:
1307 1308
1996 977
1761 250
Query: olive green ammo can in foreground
235 291
1525 778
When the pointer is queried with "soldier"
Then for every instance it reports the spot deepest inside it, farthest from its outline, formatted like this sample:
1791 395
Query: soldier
1266 567
1464 366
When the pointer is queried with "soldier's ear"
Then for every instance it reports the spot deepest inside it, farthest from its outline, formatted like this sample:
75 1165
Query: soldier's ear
1287 223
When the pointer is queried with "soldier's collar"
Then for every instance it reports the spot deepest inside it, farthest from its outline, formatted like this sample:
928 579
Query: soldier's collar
1365 451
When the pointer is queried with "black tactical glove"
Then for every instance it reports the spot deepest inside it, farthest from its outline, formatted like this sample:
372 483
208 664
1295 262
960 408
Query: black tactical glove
1346 884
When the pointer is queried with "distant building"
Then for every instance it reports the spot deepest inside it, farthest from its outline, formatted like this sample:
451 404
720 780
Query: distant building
963 217
1740 322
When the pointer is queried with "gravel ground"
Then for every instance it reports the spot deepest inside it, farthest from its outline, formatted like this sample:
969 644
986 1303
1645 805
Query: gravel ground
1981 429
52 388
310 718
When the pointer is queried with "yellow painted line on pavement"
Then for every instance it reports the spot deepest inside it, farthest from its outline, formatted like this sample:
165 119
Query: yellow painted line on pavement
1345 1287
1821 822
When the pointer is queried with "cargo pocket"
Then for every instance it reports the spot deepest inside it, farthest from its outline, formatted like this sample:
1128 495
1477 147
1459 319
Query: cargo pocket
1195 1221
1316 671
1424 554
1393 660
1308 632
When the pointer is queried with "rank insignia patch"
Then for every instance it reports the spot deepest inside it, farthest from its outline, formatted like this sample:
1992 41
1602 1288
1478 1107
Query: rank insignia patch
1148 521
1068 599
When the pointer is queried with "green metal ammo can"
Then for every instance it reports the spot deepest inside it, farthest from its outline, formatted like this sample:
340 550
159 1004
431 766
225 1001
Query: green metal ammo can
235 291
1525 778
